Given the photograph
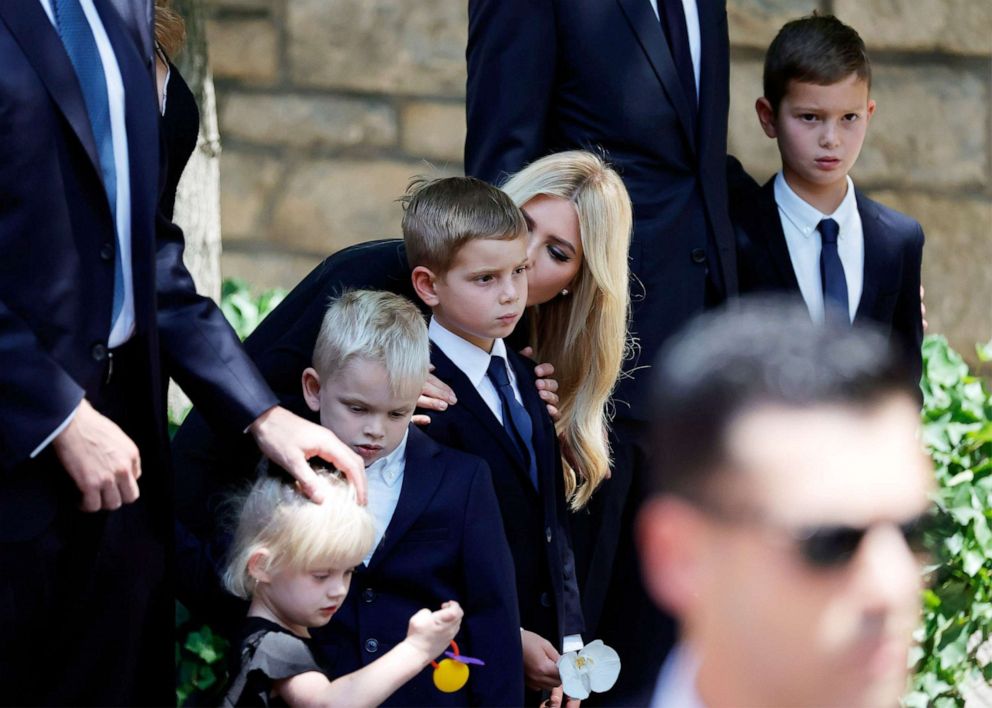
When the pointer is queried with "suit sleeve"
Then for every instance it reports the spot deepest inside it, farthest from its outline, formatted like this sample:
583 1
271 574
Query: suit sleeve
38 394
511 70
907 322
492 620
199 348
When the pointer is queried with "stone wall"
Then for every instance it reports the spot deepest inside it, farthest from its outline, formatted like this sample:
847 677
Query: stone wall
328 107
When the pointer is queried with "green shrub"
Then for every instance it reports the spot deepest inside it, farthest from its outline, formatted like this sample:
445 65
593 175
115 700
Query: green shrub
957 607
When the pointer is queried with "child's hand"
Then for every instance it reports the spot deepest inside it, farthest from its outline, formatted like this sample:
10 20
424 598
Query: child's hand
431 632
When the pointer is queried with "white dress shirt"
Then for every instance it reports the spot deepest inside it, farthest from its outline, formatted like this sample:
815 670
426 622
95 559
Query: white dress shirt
385 482
474 363
692 27
121 329
676 687
799 221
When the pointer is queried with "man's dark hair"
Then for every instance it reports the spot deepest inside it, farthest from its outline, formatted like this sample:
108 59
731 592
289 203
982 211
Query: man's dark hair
758 351
819 49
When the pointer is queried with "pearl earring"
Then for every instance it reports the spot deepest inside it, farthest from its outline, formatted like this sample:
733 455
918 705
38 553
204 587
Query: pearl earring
564 292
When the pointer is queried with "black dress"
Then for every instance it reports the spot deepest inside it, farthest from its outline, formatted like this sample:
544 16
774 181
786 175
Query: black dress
268 653
180 128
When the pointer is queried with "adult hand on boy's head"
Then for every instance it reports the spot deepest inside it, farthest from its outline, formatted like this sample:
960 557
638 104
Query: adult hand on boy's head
540 662
289 441
547 387
101 459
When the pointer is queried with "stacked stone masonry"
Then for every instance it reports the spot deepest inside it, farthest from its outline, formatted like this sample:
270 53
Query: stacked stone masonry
328 107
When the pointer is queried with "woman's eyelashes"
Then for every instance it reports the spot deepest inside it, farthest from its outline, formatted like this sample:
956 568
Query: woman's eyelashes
558 254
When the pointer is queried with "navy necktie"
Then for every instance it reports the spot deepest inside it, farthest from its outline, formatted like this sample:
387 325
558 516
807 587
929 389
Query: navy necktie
673 22
516 420
835 302
80 45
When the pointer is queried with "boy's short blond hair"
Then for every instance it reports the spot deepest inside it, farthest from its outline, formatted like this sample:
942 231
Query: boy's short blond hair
442 215
296 533
378 326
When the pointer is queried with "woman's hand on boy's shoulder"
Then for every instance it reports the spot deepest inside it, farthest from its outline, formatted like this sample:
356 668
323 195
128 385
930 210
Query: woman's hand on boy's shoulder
436 395
547 387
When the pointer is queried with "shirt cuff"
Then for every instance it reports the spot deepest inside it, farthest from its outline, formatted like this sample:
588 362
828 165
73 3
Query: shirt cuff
573 642
55 433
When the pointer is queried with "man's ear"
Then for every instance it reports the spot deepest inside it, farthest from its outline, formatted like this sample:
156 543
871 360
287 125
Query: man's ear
311 388
766 116
424 285
258 564
668 536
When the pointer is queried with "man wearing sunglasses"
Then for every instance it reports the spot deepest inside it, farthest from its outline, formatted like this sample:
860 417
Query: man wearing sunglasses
784 531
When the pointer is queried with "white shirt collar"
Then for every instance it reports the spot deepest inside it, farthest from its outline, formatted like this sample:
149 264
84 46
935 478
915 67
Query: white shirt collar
676 685
805 217
390 468
473 361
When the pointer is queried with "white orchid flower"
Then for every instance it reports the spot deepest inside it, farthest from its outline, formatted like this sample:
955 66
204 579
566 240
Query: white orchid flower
593 668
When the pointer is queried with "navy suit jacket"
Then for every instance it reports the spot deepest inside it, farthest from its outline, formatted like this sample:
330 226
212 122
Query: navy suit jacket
536 521
57 271
893 243
551 75
444 542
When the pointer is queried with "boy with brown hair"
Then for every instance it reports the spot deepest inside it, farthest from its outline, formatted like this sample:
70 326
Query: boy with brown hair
466 242
809 230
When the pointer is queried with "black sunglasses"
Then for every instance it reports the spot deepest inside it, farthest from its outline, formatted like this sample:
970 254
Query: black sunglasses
834 546
830 546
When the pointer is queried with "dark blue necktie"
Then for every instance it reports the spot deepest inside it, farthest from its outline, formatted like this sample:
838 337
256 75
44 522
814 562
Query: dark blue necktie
80 45
673 22
516 420
835 302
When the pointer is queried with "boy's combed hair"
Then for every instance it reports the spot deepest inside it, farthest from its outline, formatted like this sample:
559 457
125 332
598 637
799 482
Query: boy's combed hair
380 327
441 215
298 534
819 49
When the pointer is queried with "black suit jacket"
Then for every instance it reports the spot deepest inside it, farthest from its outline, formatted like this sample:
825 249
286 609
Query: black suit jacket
536 521
444 542
551 75
893 243
57 272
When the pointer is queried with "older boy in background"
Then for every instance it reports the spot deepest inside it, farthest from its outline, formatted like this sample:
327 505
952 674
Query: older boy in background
808 230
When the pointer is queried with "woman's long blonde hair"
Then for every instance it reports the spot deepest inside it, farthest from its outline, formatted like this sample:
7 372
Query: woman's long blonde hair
584 334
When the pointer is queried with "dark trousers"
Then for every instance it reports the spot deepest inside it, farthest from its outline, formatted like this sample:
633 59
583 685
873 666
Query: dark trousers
86 614
616 605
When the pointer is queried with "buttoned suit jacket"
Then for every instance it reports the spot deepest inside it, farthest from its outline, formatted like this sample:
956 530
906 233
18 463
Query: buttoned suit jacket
57 273
551 75
445 541
893 250
536 520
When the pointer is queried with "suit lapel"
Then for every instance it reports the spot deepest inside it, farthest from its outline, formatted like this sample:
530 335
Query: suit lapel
41 45
471 401
651 37
877 268
421 478
778 249
542 427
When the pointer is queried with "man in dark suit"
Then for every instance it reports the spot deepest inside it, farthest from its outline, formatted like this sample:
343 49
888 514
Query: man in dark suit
646 81
95 311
